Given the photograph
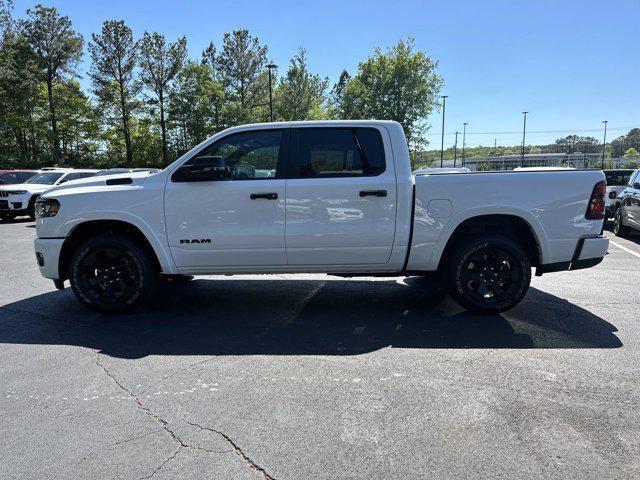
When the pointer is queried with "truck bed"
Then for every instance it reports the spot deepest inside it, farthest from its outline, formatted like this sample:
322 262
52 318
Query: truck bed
552 203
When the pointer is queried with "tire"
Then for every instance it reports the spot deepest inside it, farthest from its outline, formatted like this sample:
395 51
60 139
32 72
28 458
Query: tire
111 274
489 274
31 209
619 229
7 217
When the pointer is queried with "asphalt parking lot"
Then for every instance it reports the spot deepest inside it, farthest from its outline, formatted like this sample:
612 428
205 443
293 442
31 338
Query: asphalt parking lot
308 376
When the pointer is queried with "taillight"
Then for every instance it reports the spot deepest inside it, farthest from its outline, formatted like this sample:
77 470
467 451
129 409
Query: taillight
595 210
613 194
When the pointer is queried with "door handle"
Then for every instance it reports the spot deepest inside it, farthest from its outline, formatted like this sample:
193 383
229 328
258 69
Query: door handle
266 196
373 193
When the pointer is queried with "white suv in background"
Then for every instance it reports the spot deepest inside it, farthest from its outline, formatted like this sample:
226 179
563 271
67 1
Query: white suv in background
18 200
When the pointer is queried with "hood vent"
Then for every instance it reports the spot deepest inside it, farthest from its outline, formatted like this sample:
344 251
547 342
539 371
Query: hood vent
119 181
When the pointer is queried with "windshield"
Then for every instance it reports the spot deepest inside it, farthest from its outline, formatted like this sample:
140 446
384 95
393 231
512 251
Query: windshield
45 178
618 178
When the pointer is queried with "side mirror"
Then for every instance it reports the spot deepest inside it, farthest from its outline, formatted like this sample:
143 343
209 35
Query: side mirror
636 185
204 169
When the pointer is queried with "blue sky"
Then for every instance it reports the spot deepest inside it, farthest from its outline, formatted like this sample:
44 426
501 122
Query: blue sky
571 64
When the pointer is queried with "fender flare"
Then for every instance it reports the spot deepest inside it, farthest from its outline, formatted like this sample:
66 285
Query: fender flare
536 227
161 251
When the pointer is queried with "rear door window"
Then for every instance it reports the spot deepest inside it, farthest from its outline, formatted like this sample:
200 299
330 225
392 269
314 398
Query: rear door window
337 152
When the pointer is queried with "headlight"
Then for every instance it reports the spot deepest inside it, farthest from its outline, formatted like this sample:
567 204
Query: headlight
17 192
47 207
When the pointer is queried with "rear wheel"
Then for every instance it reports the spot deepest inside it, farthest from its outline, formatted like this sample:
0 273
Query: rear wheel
619 229
111 273
490 274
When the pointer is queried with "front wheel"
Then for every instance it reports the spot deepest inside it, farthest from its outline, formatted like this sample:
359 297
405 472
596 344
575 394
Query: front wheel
31 208
111 273
489 274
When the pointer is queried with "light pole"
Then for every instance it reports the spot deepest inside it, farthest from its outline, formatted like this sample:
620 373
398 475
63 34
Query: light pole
524 132
444 104
464 135
270 66
604 143
455 150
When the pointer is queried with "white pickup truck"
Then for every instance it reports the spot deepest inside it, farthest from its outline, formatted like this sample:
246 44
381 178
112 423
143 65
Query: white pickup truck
327 197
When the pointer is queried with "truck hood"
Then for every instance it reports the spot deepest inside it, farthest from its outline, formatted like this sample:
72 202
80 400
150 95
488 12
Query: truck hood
29 187
135 178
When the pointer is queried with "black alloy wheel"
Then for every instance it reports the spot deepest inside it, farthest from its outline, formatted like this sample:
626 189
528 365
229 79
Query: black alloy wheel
112 273
489 275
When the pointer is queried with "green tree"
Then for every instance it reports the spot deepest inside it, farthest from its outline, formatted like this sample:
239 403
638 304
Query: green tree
400 84
57 49
78 124
217 97
242 65
337 106
19 91
625 142
574 143
192 104
160 62
631 153
632 164
300 95
115 84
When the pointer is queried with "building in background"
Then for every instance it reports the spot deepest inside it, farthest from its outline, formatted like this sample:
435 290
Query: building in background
509 162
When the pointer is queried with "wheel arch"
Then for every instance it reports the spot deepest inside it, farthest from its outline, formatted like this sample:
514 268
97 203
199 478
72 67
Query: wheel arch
87 229
511 225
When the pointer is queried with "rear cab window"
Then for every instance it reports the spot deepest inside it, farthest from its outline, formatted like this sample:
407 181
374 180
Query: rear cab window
617 178
337 152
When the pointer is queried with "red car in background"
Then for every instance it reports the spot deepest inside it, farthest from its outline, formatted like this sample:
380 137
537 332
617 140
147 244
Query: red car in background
11 177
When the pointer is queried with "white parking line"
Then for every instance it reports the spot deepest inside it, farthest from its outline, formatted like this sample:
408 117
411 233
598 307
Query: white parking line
635 254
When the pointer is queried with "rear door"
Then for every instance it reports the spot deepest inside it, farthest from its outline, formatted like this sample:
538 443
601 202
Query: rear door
341 197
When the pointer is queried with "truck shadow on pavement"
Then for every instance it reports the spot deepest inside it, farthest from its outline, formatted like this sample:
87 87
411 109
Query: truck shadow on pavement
300 317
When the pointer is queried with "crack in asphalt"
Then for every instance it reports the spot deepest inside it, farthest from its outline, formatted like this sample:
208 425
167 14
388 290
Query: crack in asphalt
150 413
159 467
163 423
238 451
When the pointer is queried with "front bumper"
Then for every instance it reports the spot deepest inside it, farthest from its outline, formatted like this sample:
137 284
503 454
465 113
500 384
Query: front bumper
15 204
48 256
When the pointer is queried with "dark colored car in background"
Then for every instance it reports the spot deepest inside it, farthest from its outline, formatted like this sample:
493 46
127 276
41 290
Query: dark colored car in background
627 210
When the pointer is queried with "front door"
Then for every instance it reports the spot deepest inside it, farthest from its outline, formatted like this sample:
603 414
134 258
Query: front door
341 197
238 220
